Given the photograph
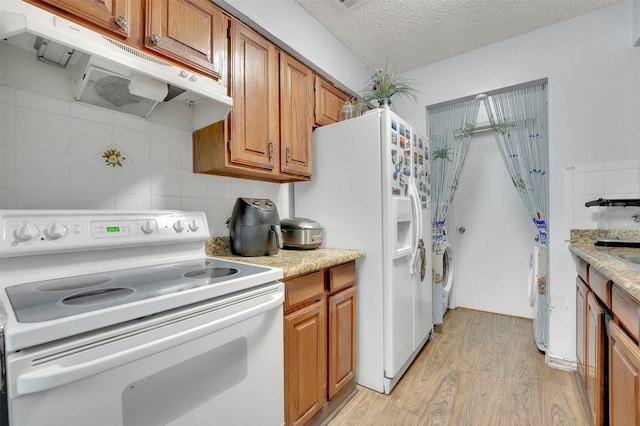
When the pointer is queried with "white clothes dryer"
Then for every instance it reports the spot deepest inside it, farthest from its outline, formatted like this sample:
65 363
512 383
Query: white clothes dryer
533 295
443 267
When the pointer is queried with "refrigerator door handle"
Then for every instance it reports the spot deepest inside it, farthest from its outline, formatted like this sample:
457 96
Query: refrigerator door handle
417 226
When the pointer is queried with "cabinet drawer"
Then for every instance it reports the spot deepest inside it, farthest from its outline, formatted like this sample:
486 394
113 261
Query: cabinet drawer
601 286
305 289
583 269
626 310
342 276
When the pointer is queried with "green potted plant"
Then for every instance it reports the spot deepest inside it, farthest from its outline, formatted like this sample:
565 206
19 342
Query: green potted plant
385 83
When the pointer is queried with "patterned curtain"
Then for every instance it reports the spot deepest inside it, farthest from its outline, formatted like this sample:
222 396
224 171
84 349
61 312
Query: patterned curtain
519 121
450 129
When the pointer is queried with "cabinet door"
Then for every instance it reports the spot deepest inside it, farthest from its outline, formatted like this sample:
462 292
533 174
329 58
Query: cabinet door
594 370
342 339
116 16
626 310
581 318
296 116
254 117
624 379
191 31
305 360
328 102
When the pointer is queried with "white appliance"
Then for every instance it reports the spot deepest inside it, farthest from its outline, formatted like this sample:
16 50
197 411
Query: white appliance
443 272
107 73
371 192
118 318
534 259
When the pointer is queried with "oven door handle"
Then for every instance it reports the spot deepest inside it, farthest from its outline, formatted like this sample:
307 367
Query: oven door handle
57 375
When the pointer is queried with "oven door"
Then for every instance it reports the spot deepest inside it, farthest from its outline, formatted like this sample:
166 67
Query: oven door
217 362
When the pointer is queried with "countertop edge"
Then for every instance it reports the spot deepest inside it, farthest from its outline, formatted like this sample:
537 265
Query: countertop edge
298 262
625 277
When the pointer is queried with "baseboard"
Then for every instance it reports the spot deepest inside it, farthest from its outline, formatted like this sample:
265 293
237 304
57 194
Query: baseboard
560 363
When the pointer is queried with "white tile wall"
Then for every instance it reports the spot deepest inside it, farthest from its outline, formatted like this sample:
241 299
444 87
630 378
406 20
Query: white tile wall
50 157
591 181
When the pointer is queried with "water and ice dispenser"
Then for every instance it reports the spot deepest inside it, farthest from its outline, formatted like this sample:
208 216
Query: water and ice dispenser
403 217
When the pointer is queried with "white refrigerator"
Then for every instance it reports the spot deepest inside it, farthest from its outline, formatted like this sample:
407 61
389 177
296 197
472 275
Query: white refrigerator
370 191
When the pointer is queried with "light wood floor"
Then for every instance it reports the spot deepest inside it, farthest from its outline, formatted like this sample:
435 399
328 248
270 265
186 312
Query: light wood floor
482 369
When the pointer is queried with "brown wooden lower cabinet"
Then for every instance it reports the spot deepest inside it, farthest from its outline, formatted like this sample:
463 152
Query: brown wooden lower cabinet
614 360
590 350
342 339
595 368
319 343
305 363
624 378
581 319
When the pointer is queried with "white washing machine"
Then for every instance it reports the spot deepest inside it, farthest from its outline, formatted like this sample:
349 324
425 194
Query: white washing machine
443 268
533 296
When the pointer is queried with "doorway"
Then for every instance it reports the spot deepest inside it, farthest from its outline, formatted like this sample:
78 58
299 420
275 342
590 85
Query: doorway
492 254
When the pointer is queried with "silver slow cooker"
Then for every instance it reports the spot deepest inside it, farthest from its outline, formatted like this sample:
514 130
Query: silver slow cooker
300 233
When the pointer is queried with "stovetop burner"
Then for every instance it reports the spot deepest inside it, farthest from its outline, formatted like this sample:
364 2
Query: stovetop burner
64 297
97 296
73 283
211 273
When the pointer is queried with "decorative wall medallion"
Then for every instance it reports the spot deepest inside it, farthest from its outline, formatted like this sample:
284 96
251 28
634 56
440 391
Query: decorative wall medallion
114 158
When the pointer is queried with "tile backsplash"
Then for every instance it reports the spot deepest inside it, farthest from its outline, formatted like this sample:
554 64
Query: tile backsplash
589 182
52 156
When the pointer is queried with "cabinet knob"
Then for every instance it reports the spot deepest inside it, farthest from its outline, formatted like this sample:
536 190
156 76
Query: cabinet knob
122 22
156 39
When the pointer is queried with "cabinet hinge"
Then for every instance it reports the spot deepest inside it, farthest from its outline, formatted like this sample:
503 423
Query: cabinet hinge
228 31
229 145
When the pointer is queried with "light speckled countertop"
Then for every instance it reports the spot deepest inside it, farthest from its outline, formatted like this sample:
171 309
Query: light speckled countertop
292 262
617 271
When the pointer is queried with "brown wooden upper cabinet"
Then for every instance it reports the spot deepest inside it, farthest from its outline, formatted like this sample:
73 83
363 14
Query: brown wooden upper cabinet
268 133
254 121
296 116
193 32
328 102
115 17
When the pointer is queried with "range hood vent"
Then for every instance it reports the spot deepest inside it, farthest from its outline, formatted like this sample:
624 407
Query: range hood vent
52 53
106 73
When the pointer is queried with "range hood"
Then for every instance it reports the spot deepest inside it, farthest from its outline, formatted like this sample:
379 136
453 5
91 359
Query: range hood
107 73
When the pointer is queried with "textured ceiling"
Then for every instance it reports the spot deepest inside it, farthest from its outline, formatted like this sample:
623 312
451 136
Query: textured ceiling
415 33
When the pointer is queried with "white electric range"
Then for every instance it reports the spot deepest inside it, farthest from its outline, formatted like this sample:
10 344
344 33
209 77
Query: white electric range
118 317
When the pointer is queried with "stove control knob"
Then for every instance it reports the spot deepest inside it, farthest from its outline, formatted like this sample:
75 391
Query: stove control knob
27 232
179 226
148 227
56 231
193 225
